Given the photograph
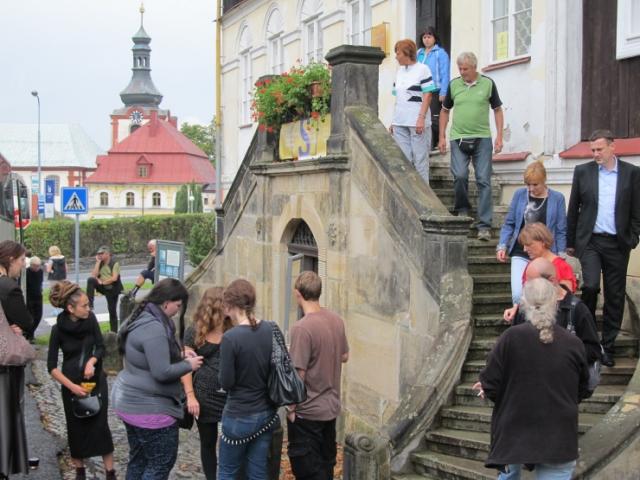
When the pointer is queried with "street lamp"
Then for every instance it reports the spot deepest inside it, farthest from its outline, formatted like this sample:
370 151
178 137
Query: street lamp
35 94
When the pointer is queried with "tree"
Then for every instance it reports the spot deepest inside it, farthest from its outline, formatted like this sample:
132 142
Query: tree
182 199
202 135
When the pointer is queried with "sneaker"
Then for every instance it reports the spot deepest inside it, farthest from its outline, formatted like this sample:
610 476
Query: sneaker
484 234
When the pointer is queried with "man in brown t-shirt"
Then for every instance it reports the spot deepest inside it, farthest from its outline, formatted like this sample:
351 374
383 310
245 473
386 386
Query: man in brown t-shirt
318 349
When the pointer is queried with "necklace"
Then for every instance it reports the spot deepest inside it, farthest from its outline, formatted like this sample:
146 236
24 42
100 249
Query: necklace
532 206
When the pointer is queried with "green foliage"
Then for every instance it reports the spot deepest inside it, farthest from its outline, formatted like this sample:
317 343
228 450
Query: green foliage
124 235
201 239
182 199
289 96
202 135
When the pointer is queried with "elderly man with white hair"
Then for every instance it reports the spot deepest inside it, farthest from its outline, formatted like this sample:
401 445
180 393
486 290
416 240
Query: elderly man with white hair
472 94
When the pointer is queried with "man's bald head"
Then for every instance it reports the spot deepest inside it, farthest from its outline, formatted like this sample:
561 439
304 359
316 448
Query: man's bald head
541 268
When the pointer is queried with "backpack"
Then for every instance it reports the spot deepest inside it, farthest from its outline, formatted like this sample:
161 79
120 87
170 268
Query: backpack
594 368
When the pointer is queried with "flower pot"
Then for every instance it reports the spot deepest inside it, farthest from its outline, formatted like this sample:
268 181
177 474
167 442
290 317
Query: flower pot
316 89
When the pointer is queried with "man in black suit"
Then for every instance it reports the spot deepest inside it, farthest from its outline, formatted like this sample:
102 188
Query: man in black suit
603 224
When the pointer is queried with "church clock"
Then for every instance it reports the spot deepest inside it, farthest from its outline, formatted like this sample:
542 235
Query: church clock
136 117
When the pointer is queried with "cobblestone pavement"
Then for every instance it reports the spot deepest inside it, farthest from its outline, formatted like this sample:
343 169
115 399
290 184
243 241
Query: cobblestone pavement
49 400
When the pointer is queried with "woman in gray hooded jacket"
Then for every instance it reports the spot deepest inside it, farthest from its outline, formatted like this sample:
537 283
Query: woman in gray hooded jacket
147 395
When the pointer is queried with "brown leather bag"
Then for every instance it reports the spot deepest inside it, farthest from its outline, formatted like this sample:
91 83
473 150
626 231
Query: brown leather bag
14 349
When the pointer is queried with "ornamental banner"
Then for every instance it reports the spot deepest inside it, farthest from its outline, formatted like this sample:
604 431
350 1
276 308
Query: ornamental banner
305 138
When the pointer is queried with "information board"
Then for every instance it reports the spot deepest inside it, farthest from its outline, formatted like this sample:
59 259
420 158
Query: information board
169 260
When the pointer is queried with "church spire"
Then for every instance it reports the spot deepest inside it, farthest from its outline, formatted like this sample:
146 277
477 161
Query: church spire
141 90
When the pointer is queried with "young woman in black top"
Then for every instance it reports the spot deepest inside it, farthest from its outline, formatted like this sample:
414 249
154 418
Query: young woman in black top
13 438
249 416
78 335
205 397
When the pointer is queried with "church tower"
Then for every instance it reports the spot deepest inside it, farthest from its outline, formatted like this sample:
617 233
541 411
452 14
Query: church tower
140 97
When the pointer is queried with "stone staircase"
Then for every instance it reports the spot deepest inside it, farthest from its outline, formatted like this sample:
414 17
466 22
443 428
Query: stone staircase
458 443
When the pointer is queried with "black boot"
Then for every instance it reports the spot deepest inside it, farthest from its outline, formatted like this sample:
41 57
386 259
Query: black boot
81 473
111 475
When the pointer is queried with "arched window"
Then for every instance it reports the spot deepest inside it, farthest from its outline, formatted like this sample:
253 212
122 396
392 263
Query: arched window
311 31
155 199
130 199
104 199
246 84
275 51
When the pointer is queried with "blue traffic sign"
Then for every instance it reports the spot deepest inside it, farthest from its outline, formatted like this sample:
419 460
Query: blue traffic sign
40 206
49 190
74 200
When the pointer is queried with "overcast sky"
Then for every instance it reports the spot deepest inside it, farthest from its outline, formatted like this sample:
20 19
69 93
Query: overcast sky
77 55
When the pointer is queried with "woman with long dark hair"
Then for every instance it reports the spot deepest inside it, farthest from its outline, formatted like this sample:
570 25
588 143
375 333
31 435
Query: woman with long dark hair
205 397
78 335
13 437
249 416
147 395
436 58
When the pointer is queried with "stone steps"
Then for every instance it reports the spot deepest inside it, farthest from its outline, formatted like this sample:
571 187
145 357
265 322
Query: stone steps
478 419
457 445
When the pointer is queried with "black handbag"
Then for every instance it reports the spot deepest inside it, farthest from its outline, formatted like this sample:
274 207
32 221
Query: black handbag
285 385
89 406
85 407
186 421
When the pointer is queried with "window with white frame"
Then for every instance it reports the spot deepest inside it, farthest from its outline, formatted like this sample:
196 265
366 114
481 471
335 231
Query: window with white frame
156 199
511 23
359 15
104 199
628 29
130 199
275 50
312 31
246 84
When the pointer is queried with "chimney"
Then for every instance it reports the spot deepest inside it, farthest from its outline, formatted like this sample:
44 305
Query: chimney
153 123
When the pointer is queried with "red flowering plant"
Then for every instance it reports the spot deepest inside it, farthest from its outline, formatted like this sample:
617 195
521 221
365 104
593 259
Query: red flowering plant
302 92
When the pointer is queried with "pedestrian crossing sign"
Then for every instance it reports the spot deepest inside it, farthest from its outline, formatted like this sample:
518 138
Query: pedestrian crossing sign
74 200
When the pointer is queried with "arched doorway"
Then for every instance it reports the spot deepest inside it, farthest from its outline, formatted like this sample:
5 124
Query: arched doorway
302 255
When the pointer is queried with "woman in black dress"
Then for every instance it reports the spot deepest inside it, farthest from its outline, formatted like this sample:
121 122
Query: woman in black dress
205 397
13 438
78 335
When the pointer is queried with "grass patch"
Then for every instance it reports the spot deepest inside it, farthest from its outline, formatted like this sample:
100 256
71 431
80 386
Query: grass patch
44 339
127 286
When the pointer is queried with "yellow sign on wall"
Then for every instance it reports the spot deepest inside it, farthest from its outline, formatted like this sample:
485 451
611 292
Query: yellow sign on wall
502 45
379 36
306 138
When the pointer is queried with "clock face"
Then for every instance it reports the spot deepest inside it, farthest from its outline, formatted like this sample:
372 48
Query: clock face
136 117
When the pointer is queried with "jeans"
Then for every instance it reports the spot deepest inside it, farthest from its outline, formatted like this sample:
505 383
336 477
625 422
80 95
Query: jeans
208 439
312 448
543 471
518 266
415 147
112 300
483 168
252 455
603 254
152 452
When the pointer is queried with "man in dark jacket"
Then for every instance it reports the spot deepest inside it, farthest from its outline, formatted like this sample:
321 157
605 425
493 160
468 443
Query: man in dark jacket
105 278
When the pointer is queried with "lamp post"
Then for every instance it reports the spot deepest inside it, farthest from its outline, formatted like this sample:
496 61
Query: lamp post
35 94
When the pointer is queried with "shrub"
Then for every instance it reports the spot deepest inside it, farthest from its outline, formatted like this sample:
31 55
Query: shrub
201 239
124 235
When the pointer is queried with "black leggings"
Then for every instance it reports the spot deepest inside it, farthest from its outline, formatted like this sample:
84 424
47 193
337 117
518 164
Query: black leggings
208 439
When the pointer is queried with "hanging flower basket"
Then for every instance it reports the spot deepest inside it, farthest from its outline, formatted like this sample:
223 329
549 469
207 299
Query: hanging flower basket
302 92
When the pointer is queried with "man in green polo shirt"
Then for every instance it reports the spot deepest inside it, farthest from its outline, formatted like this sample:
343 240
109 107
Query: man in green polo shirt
472 94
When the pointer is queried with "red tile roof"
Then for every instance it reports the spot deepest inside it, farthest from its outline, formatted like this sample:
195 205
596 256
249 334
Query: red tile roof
624 147
171 157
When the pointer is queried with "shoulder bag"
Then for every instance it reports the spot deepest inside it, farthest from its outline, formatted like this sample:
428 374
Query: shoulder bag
14 349
285 385
89 406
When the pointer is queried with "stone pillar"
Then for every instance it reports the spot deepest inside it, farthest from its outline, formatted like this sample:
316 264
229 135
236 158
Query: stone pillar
366 457
354 81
